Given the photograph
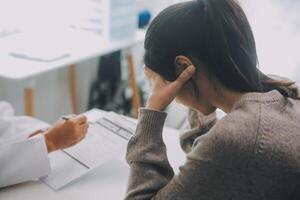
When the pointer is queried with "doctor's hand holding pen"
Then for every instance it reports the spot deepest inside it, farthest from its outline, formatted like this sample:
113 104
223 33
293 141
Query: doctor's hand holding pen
65 133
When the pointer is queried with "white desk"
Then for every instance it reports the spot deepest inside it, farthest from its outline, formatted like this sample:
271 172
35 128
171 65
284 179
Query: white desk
108 182
79 45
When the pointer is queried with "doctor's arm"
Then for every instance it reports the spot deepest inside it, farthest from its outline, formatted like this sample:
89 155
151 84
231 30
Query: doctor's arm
26 160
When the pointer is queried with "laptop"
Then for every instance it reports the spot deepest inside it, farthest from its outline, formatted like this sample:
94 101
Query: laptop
106 140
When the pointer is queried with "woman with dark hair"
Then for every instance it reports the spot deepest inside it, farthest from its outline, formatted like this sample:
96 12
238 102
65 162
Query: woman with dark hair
203 54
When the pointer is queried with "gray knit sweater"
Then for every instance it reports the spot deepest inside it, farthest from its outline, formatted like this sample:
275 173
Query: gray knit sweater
252 153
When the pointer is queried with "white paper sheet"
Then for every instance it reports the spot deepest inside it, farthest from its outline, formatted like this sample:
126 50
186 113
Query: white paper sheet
100 146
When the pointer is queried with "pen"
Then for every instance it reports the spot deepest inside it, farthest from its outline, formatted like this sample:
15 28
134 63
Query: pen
68 117
65 118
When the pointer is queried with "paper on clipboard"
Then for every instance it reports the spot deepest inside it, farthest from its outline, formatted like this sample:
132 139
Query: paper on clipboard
100 146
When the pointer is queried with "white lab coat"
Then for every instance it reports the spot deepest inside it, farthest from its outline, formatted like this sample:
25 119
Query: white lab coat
21 159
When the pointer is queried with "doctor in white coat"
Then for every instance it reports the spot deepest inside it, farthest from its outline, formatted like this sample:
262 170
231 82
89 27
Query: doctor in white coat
26 142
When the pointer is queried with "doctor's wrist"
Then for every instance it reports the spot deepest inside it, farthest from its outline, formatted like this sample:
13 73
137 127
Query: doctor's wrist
50 143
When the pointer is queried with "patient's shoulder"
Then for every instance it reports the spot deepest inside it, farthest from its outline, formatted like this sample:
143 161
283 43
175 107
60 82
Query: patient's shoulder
230 141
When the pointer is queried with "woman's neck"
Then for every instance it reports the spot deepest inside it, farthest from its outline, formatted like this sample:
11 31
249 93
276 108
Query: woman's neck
226 99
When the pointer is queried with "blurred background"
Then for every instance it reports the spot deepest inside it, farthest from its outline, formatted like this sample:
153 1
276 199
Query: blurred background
69 56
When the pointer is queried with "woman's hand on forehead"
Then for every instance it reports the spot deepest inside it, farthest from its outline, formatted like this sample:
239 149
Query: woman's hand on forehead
164 92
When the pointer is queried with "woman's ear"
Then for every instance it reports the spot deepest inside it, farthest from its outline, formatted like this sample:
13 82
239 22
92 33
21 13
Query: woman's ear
181 63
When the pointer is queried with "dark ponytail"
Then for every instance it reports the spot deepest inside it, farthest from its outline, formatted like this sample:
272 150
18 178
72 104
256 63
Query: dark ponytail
215 35
285 86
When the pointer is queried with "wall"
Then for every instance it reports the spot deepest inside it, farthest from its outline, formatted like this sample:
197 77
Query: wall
52 89
273 24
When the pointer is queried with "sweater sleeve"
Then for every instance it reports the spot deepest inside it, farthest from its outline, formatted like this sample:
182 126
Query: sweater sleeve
151 176
199 124
146 154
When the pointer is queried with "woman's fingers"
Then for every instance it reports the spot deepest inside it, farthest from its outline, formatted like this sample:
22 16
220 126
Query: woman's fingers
184 76
164 92
151 74
148 72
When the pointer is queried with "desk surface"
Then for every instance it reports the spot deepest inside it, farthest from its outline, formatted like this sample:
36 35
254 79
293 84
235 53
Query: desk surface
79 45
106 182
